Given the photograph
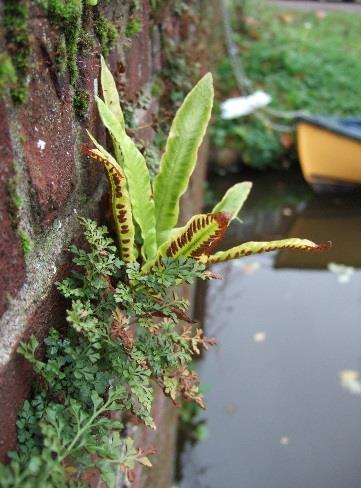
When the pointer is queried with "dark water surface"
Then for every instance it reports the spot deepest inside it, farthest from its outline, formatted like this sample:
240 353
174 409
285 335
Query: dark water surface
284 397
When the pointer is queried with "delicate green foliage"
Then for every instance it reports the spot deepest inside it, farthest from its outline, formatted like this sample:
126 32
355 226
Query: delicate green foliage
180 155
234 198
123 338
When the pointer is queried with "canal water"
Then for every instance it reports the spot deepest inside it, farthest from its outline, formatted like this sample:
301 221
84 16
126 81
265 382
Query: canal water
283 385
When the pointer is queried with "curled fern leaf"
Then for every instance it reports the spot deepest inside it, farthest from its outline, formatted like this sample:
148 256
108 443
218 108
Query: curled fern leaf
197 238
120 200
258 247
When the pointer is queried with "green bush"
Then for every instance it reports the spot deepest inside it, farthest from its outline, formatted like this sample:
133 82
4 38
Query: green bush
305 60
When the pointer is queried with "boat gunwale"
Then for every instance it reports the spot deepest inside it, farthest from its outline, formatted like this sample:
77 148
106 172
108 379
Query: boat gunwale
332 124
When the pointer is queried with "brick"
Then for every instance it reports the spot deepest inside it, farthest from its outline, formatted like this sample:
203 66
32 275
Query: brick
17 375
163 439
138 58
90 76
15 381
47 126
11 256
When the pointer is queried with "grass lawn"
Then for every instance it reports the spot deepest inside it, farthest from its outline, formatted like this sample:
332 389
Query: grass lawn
305 60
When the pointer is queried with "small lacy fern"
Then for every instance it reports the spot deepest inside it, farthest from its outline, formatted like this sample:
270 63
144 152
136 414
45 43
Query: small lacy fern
122 339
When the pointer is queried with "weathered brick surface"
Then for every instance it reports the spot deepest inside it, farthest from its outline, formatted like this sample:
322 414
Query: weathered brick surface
58 182
89 73
138 58
46 124
12 263
16 376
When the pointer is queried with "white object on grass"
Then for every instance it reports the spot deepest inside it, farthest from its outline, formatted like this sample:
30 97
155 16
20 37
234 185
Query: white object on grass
236 107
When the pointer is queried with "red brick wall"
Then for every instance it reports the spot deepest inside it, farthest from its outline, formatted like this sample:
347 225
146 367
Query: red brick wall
41 162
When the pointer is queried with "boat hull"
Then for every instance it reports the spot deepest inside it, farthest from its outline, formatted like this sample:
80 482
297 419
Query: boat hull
330 160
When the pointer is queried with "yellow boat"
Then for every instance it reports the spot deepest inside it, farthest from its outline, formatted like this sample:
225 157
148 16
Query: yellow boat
329 151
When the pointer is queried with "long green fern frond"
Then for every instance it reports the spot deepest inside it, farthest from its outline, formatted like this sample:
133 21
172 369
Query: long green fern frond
138 180
180 155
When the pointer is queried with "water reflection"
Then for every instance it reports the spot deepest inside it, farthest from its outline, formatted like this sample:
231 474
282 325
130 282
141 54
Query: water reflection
281 411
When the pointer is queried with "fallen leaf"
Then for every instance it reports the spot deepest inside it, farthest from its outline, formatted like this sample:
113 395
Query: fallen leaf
287 212
286 140
350 381
342 271
320 14
286 18
259 336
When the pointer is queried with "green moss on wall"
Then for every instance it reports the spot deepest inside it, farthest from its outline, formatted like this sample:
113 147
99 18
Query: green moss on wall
71 16
106 32
15 23
134 26
27 244
8 76
16 201
67 14
81 102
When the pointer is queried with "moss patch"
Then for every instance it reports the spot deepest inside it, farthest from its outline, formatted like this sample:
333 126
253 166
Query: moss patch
16 201
67 15
134 26
15 22
81 102
27 244
106 32
8 76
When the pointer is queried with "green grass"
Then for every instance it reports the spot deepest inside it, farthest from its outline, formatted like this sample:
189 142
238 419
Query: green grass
304 61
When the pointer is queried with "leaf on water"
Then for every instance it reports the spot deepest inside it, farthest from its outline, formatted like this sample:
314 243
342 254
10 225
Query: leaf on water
350 381
259 336
342 271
